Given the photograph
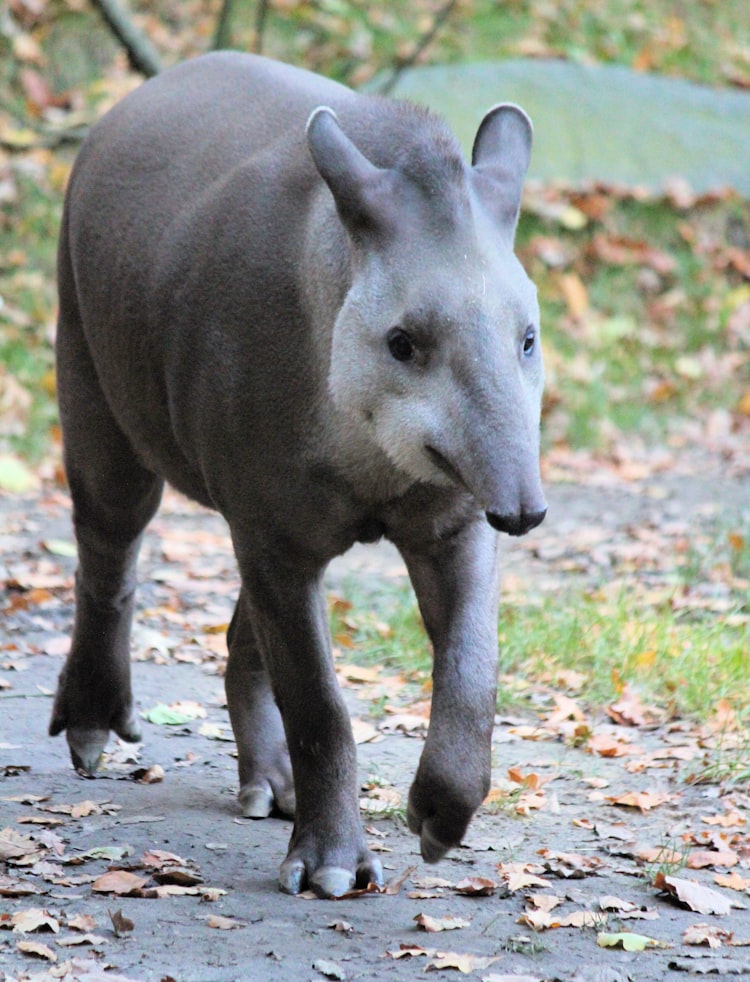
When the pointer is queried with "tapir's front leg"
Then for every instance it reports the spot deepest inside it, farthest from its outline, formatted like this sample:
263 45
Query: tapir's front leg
327 851
457 588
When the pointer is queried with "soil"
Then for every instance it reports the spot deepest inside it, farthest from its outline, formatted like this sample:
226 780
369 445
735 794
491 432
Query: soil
192 813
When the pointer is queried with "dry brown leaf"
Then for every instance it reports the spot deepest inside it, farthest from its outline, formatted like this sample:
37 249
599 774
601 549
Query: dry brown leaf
37 949
710 934
410 951
732 880
82 922
393 886
727 820
80 939
120 923
545 901
464 963
10 887
220 923
541 920
570 864
644 800
435 924
119 882
34 919
606 745
700 858
475 886
692 894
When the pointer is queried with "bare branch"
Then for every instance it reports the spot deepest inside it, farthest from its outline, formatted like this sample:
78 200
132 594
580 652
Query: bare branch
260 25
223 32
141 53
402 64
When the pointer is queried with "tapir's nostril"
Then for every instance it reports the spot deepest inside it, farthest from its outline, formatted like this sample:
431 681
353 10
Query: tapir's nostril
516 524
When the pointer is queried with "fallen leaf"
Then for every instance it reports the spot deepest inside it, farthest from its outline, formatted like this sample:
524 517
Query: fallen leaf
541 920
409 951
80 939
82 922
34 919
729 819
645 800
37 949
223 923
628 941
120 923
475 886
700 858
545 901
696 896
119 882
710 934
732 880
435 924
330 969
393 886
149 775
570 864
464 963
175 714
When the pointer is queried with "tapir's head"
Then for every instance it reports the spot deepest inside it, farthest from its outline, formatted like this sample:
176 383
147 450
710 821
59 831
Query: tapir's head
436 350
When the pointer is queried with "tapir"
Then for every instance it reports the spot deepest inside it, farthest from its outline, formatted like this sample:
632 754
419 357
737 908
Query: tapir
301 307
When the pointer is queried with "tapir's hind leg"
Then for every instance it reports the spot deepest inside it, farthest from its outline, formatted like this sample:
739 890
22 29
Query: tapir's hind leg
114 497
266 780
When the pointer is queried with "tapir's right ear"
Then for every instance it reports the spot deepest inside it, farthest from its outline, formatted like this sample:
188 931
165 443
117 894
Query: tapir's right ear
359 188
500 159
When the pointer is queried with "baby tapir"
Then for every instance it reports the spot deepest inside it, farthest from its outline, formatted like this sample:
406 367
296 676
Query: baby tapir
301 307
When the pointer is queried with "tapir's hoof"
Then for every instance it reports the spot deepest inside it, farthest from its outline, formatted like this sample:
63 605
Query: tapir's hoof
328 881
332 881
258 802
86 747
432 847
255 802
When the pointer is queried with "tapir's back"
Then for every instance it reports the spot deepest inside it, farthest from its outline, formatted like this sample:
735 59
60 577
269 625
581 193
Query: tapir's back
185 219
158 152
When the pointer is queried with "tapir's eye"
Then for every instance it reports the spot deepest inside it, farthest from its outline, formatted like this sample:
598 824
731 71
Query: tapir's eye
400 344
529 342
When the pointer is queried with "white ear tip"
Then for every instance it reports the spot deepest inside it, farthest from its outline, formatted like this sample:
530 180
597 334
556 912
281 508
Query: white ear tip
514 108
317 112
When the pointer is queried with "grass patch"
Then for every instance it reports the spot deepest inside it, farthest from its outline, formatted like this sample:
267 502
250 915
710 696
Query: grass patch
685 661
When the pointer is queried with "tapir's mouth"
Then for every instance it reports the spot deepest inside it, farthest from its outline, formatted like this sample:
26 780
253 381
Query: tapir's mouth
445 466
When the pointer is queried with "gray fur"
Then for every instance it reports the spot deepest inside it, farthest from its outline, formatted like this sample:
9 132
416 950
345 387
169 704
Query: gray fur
231 264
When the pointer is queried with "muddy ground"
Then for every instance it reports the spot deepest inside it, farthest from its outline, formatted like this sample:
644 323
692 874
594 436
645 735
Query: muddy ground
50 854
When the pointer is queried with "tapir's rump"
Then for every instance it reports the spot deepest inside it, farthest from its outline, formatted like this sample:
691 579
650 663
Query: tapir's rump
301 307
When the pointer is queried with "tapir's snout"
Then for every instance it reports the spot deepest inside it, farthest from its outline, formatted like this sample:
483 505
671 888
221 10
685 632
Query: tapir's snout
516 524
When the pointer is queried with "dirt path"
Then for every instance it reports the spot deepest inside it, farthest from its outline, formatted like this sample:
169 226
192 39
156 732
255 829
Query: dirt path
562 827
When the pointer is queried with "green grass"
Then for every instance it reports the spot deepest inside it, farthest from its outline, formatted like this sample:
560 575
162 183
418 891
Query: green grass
683 655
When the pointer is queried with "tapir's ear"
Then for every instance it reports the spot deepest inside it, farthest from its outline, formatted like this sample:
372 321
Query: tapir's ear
359 188
500 159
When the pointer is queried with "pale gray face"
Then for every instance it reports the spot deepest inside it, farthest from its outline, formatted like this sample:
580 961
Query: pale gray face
436 353
444 369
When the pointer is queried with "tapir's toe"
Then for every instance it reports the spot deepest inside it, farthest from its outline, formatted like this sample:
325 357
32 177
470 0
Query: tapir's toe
329 880
128 727
259 801
332 881
255 802
86 747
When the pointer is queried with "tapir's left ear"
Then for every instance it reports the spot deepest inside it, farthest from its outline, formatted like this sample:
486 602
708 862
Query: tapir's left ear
500 159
